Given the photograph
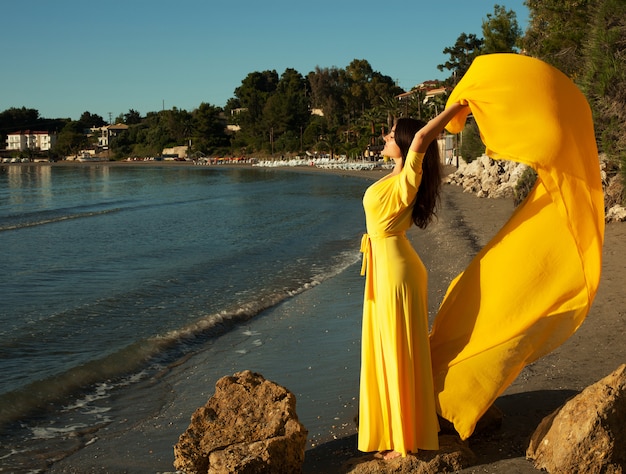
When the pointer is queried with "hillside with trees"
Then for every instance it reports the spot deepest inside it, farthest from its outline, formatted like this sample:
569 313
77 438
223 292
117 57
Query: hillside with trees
343 110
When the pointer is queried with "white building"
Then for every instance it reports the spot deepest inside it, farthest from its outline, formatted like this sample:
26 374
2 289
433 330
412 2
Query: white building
107 132
31 140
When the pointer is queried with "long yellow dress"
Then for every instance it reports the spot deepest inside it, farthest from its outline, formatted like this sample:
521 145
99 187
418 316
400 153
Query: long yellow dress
532 286
397 404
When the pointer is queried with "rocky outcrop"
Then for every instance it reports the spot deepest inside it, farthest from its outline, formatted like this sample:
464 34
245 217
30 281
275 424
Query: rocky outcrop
613 197
452 456
486 177
587 434
250 425
490 178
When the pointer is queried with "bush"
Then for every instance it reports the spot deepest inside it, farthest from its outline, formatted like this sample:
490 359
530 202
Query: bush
524 185
472 146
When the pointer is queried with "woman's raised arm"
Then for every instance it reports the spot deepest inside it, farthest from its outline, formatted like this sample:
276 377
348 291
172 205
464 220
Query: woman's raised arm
434 127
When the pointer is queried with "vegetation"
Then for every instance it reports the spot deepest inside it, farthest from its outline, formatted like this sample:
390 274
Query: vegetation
524 185
472 146
586 39
345 110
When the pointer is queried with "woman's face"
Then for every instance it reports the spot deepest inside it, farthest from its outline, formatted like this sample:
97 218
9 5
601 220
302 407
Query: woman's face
391 149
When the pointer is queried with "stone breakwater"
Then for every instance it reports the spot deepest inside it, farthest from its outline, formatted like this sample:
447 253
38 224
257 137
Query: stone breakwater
490 178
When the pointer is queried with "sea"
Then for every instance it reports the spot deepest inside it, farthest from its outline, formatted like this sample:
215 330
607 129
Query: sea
128 290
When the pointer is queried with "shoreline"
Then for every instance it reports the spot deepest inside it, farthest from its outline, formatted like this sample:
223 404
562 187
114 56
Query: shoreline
467 221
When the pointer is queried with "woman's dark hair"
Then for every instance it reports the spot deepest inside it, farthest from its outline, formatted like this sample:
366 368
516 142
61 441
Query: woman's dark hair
425 205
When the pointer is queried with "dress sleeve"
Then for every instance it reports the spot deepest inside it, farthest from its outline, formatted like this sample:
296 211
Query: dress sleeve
411 176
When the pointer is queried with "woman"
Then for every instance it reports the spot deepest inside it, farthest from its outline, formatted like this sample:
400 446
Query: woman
397 402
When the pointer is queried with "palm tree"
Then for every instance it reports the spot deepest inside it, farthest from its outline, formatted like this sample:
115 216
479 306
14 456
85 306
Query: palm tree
331 141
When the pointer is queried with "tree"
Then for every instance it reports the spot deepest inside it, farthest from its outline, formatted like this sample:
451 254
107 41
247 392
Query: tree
209 134
501 31
254 91
132 117
330 142
15 119
71 139
287 109
357 76
604 80
327 92
466 48
89 120
557 32
472 146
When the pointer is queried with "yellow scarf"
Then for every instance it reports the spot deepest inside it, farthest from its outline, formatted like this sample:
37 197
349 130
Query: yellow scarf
532 286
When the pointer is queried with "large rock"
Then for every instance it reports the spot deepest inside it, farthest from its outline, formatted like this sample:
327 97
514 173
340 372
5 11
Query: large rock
250 426
588 433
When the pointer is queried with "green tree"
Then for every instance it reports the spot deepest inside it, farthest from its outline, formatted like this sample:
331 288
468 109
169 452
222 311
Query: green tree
357 76
157 133
287 109
209 134
329 142
254 91
71 139
14 119
327 90
501 31
465 49
472 146
604 80
89 120
132 117
557 32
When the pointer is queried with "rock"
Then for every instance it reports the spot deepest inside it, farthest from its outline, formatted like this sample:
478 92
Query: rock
587 434
453 455
616 214
488 178
249 425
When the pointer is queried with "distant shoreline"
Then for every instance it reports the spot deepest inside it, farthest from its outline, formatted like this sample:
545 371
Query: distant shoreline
367 174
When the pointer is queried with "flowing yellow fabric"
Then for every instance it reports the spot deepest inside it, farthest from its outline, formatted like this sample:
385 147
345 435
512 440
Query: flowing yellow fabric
397 402
532 286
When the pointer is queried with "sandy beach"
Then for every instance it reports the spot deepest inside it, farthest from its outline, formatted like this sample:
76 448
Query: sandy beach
466 223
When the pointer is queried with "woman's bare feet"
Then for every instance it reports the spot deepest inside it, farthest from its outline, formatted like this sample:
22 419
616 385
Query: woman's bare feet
391 455
387 455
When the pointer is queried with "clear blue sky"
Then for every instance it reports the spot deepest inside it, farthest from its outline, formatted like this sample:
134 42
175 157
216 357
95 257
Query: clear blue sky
66 57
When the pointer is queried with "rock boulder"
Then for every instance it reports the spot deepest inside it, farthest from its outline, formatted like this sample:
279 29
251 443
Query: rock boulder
249 425
587 434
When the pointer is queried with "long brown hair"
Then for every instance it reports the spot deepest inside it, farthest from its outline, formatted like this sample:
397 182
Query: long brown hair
427 199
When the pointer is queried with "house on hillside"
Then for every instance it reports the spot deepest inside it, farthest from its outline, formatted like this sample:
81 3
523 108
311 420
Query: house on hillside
106 132
31 140
430 89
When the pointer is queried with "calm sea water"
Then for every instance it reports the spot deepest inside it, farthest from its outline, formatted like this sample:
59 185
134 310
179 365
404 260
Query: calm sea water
111 273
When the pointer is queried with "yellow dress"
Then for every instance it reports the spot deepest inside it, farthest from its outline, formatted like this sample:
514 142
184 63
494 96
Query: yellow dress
397 403
532 286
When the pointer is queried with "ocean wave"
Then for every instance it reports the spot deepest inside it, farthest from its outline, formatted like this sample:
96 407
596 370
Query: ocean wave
54 219
82 385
